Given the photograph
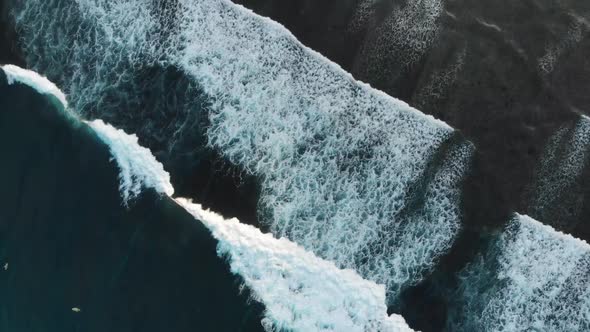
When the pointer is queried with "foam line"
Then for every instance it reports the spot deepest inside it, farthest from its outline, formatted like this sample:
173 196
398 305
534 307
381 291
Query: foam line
339 161
532 278
301 291
345 170
40 83
139 168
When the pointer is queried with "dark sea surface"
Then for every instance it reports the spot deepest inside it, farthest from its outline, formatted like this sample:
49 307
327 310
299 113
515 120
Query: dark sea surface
9 50
484 69
157 99
132 68
508 75
69 241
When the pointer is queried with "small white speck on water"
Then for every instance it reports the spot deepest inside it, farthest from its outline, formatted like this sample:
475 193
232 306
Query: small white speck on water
5 266
76 309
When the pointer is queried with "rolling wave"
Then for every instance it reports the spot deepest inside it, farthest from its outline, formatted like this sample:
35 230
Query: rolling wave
74 255
301 291
340 164
346 171
531 278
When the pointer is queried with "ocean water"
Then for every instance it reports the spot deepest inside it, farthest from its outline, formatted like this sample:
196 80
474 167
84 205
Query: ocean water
530 277
353 204
266 283
558 192
68 241
507 74
351 174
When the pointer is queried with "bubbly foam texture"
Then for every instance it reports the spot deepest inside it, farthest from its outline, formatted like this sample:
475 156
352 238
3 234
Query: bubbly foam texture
138 167
301 291
111 57
408 33
560 169
16 74
576 31
337 159
93 49
533 278
345 170
438 85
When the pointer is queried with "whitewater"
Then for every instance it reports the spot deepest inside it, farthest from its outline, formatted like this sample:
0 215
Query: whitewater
68 239
347 172
301 291
531 277
361 191
557 192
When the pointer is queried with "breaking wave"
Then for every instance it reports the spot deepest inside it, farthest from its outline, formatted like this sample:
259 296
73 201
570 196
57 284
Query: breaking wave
301 292
74 256
41 84
349 173
532 278
138 167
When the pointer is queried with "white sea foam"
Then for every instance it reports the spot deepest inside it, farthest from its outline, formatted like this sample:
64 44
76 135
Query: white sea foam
91 48
344 168
407 33
533 279
338 160
40 83
301 291
138 167
555 190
